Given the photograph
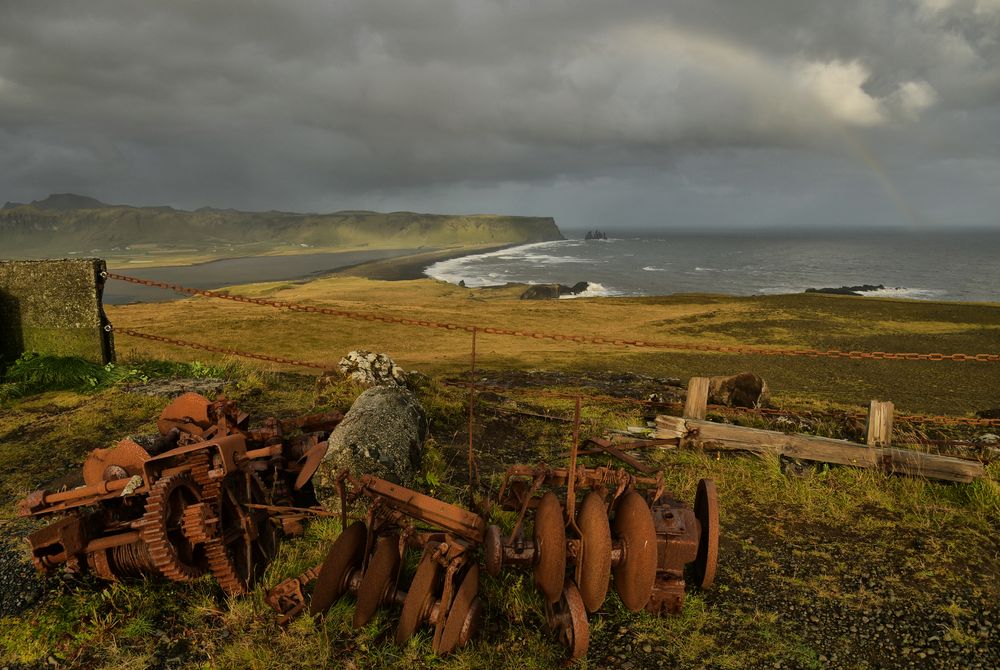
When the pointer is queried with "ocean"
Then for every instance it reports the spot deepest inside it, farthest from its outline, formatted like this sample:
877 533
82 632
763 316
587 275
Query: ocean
927 266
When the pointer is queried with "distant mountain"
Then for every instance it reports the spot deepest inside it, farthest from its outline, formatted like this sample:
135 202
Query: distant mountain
64 223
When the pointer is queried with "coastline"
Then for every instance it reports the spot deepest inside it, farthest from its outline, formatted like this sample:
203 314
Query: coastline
410 267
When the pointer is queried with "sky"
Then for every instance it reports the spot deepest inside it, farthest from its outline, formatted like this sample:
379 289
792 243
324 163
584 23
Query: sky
690 114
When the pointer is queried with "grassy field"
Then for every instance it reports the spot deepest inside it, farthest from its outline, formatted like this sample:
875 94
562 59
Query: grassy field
836 567
790 321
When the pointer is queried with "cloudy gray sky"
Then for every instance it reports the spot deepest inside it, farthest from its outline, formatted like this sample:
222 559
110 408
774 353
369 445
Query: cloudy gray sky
620 114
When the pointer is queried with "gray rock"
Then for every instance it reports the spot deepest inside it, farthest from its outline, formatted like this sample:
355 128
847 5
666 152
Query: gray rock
988 438
382 434
372 369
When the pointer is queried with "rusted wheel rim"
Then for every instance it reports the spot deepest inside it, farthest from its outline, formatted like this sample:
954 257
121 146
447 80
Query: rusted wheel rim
346 554
378 578
636 572
550 547
706 509
457 621
568 617
593 566
419 598
493 550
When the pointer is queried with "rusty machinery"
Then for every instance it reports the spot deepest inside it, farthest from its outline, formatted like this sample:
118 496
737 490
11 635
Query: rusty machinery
212 495
366 558
193 502
625 526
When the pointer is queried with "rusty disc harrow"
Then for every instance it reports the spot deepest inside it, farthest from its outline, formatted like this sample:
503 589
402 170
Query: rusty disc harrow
593 564
346 555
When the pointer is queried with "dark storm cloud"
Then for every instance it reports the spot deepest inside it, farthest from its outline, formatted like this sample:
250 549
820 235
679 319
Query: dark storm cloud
703 106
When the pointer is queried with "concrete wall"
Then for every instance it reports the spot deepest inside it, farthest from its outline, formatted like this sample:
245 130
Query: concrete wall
54 307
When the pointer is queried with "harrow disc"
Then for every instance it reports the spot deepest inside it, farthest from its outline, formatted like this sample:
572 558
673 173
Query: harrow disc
310 464
568 617
550 547
378 579
493 550
635 573
593 565
420 598
463 616
346 555
706 509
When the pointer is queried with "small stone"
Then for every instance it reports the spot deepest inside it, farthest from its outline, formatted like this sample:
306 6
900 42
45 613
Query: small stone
648 648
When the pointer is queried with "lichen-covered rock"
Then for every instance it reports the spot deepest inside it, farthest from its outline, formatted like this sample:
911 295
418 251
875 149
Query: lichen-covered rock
382 434
743 390
372 369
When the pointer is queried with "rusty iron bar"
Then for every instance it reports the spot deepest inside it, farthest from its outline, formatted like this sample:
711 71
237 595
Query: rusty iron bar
473 475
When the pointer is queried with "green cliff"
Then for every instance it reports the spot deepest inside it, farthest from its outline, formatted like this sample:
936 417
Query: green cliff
66 223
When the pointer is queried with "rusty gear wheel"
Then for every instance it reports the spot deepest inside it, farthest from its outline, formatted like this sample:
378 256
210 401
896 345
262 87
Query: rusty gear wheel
550 547
635 573
247 540
706 509
568 618
346 555
593 565
419 598
379 578
463 616
162 528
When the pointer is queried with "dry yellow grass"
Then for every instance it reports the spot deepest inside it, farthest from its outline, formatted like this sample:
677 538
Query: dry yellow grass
805 320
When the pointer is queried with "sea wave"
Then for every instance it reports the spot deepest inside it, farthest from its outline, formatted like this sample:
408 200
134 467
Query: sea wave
904 292
594 290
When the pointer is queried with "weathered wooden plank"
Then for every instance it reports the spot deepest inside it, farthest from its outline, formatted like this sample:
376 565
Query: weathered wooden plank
696 405
719 436
879 428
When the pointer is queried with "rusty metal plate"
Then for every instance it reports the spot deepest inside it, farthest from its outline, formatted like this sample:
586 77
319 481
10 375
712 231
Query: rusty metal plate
636 571
346 555
378 579
419 598
118 462
185 410
458 621
593 565
706 509
310 463
550 547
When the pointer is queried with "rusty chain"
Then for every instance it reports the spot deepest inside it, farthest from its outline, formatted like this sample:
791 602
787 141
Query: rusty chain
559 337
218 350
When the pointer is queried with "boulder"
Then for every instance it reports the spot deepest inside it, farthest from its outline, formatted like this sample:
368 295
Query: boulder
746 389
551 291
382 434
372 369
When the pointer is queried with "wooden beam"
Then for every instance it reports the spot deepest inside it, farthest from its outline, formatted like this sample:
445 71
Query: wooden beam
879 428
696 405
724 437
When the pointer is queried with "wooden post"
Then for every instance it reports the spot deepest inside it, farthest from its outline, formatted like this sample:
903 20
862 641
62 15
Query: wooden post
879 428
696 405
